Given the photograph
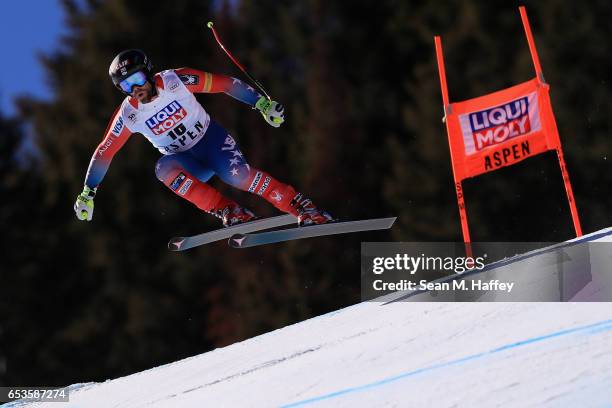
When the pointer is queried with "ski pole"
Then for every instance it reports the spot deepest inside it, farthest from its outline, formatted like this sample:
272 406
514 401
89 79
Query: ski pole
238 64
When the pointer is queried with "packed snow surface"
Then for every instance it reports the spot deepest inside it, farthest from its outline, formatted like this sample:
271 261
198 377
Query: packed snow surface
392 354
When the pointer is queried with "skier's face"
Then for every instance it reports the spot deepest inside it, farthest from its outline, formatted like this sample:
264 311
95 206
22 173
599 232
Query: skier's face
143 93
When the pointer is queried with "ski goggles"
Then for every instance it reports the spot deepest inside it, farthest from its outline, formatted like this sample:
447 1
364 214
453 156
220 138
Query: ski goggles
136 79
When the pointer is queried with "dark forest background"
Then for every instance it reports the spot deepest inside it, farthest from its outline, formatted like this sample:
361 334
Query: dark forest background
363 137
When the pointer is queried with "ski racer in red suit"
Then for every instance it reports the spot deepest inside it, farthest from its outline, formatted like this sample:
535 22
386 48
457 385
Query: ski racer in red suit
163 109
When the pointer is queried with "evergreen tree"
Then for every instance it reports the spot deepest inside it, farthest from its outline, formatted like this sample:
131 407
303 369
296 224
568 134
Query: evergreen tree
363 138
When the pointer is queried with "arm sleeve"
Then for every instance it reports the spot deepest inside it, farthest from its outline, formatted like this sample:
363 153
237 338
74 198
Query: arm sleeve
205 82
114 138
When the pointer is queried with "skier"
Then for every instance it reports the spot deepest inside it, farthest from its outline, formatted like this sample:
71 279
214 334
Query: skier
163 109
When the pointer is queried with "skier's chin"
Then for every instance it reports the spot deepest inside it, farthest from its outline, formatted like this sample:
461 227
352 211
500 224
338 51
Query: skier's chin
142 96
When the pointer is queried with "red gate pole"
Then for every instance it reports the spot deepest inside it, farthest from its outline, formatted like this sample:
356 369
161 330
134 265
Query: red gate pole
569 192
532 47
458 187
564 173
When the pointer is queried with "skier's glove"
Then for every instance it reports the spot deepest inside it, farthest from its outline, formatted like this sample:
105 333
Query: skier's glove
272 111
84 205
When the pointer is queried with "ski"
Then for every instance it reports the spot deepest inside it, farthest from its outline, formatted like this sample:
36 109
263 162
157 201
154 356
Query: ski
183 243
246 240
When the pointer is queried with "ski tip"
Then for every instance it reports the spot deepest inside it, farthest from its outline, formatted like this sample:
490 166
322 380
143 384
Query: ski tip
236 240
176 244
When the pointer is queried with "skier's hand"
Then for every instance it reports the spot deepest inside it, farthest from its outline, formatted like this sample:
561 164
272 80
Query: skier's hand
272 111
84 205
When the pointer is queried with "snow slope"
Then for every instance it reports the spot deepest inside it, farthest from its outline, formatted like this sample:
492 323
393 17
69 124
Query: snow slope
395 354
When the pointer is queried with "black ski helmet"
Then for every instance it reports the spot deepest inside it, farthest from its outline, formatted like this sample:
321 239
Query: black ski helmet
126 63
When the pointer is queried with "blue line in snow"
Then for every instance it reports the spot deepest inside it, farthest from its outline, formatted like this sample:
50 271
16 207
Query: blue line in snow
598 327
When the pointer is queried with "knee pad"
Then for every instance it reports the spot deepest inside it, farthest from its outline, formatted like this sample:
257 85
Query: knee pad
185 185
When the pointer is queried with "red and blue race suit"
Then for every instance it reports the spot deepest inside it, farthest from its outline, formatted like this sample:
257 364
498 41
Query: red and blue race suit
194 146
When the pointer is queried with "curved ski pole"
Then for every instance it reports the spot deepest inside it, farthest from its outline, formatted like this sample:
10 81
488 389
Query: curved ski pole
235 61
